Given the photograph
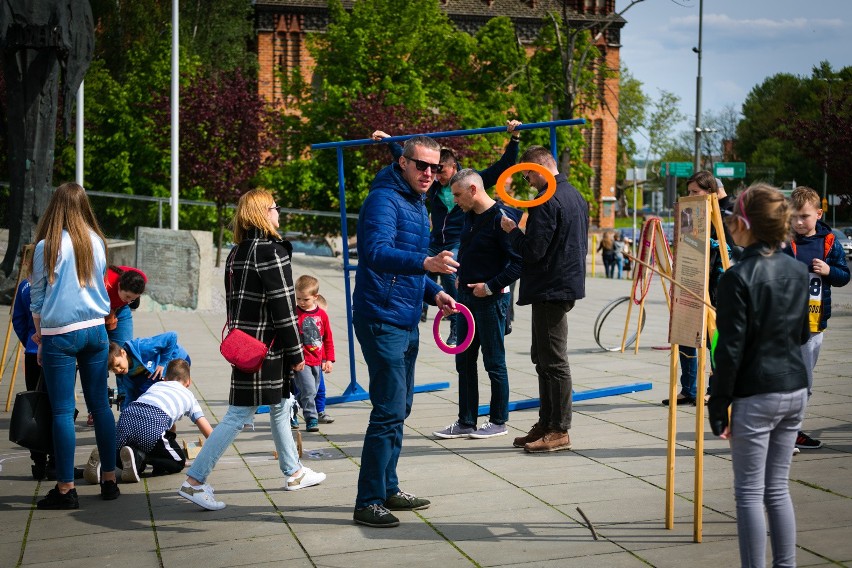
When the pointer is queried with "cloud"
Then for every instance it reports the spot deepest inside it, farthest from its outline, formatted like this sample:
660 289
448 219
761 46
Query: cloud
762 30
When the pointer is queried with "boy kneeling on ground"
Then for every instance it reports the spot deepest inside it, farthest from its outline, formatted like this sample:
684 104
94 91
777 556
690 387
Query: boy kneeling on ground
145 432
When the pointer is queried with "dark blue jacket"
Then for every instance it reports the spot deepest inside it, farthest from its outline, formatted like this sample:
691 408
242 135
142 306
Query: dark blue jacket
447 223
835 258
22 318
486 255
393 237
554 247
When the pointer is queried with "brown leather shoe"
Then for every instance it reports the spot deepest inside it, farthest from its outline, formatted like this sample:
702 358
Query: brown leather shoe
535 433
553 441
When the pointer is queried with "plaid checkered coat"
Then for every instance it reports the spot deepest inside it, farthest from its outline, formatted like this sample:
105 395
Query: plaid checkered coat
261 302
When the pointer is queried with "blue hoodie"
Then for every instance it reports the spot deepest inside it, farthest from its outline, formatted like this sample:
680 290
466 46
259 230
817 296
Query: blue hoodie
145 354
393 237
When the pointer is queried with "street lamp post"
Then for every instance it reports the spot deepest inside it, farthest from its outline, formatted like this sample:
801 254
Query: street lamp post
697 50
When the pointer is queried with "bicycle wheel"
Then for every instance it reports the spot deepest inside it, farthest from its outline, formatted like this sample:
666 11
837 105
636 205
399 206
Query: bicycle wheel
609 328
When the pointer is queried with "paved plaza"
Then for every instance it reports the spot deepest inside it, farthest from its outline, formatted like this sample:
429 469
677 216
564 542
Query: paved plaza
492 505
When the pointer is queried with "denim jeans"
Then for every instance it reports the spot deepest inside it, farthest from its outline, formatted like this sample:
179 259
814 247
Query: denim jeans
688 370
61 356
810 353
549 354
123 332
763 433
489 316
232 423
307 383
448 281
390 353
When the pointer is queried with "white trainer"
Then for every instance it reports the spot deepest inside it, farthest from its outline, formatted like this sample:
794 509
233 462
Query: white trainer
201 496
304 478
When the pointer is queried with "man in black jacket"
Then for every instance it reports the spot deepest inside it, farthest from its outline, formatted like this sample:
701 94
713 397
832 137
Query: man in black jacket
553 276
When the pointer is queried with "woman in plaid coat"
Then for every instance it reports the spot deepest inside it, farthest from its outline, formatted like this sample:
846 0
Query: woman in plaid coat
260 302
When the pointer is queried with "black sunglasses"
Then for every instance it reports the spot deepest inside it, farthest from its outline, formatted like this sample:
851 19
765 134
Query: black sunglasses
421 165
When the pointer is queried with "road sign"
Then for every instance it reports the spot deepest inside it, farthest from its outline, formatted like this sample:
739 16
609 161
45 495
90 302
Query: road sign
729 169
677 169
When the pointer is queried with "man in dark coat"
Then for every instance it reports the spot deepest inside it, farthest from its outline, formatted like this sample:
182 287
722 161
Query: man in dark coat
553 277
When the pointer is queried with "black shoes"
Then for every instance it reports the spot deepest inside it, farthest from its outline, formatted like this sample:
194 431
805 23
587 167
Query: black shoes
59 501
109 490
376 516
681 401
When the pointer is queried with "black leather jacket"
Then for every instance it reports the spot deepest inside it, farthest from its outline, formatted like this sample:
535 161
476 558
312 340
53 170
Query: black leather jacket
763 321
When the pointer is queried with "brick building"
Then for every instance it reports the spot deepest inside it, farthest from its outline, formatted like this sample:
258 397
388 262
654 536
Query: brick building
282 25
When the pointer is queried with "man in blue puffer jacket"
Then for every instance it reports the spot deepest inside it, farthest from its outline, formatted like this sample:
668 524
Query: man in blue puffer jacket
390 285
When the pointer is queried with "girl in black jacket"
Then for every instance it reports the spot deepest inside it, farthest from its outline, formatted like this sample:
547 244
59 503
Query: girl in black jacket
760 374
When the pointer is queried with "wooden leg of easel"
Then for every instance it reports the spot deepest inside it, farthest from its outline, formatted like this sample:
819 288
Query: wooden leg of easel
5 350
626 324
672 437
14 374
639 326
699 446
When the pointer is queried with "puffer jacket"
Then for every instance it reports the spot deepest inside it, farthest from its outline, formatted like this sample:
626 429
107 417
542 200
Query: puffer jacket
393 237
763 321
554 247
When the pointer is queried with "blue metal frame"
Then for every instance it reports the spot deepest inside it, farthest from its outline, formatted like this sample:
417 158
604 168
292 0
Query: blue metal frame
354 391
485 409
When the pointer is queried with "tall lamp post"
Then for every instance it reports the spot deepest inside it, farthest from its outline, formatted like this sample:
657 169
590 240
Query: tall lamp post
697 50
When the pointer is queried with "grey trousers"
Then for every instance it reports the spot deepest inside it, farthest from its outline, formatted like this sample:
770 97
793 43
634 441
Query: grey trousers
763 434
307 382
810 353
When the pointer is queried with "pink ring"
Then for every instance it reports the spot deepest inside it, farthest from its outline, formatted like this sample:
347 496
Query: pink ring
471 331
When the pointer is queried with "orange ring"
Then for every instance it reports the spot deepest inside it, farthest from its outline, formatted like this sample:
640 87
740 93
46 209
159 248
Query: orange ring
508 199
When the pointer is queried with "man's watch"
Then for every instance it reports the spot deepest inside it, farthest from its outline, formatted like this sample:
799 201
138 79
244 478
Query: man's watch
487 289
516 138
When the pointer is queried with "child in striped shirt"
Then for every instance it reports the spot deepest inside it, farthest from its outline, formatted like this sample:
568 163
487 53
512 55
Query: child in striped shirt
145 433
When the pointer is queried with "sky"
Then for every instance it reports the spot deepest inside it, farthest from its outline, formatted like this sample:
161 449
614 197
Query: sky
743 43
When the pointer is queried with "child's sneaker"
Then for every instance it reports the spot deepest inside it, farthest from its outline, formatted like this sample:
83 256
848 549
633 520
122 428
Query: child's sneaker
294 422
805 442
92 471
324 418
312 425
129 474
201 496
306 478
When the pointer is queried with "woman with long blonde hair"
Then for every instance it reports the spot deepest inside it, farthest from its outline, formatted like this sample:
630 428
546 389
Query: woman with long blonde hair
260 302
69 302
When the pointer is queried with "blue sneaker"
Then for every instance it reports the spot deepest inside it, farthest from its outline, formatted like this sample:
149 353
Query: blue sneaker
294 422
312 425
489 430
454 430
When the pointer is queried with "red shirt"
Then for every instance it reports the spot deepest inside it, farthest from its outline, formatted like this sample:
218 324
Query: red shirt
111 282
315 331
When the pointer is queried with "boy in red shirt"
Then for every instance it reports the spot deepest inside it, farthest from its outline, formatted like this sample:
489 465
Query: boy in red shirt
318 345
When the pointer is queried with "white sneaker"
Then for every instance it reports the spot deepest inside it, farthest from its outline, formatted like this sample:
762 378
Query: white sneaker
201 496
128 465
92 471
306 478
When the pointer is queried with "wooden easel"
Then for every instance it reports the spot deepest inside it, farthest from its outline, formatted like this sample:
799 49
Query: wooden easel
654 256
23 272
706 330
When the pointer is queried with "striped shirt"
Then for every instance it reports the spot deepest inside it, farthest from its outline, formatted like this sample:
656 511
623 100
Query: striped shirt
172 398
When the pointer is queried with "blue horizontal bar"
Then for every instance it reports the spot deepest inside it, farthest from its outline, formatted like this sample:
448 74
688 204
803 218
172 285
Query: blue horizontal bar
485 409
447 134
364 395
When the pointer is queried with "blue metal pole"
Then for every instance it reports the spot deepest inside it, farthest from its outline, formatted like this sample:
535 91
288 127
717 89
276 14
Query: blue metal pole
452 133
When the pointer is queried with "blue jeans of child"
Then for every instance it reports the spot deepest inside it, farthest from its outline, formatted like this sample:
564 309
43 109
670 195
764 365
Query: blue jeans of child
123 332
489 316
763 433
61 355
307 383
390 353
232 423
